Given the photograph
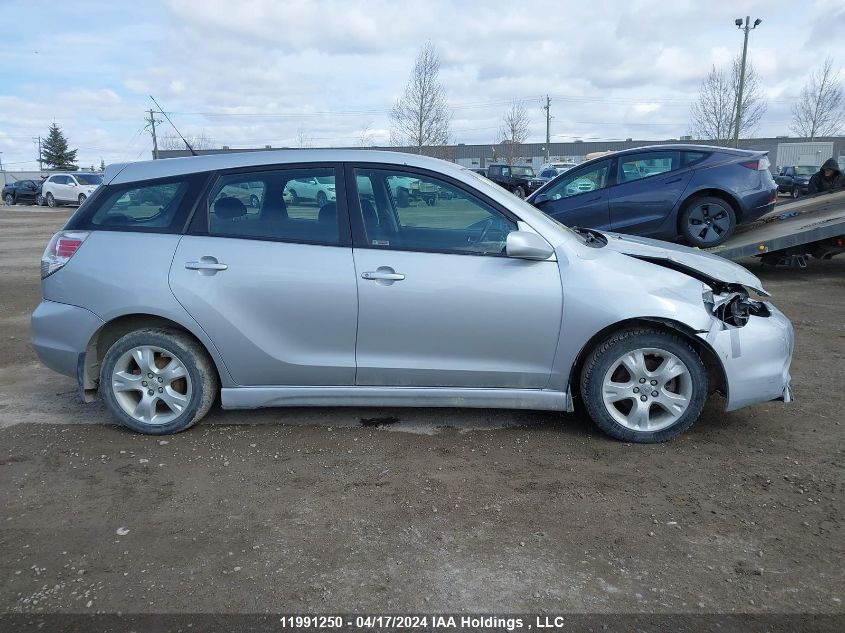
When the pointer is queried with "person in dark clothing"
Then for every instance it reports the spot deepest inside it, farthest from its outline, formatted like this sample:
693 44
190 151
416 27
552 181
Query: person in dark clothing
828 178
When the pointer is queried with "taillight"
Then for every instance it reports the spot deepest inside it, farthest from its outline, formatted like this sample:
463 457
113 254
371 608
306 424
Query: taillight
61 248
759 164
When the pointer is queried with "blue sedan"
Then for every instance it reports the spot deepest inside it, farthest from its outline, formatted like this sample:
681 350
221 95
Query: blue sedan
696 193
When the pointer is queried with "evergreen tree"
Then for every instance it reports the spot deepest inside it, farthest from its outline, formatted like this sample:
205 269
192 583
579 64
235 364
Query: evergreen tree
54 151
102 165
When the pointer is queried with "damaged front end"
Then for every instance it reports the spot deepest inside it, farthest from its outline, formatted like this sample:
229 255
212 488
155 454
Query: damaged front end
753 340
734 307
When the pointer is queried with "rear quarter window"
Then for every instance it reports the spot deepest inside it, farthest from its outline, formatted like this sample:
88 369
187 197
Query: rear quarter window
159 206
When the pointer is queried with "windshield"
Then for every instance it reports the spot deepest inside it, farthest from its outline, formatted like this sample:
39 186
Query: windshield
88 179
522 171
806 170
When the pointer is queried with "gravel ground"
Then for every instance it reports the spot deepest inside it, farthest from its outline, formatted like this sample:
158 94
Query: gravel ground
431 510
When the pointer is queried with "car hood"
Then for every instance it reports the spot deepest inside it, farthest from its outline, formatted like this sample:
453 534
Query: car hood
697 263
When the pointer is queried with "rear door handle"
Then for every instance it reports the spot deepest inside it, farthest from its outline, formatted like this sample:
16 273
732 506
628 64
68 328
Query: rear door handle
385 276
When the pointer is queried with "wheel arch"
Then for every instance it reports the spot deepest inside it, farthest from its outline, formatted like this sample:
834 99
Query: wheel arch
115 328
716 376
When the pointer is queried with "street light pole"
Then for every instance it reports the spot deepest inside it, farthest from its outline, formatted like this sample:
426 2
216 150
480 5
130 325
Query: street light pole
747 28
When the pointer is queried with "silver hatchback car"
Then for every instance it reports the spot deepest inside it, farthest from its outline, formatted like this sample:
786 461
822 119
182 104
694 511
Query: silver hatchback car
166 289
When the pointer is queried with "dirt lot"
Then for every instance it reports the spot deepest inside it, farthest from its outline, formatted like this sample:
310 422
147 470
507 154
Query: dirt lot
422 511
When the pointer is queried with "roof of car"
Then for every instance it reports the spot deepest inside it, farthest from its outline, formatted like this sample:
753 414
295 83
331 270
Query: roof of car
690 147
144 170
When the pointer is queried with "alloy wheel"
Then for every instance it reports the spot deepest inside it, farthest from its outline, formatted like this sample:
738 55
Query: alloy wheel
647 389
708 223
151 385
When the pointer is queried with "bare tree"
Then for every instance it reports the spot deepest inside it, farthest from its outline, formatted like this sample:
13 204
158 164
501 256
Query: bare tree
714 113
514 130
198 141
365 136
421 116
819 109
303 140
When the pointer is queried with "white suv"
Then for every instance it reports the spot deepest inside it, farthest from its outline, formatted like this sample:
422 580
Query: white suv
70 188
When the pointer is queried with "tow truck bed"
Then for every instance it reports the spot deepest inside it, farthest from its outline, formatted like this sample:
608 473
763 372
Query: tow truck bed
816 218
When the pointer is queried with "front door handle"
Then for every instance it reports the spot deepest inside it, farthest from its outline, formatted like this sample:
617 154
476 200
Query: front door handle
385 276
206 265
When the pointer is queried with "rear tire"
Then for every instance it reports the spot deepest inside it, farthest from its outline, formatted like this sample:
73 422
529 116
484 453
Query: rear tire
707 221
9 199
81 199
622 401
253 201
158 381
51 201
39 200
294 199
322 199
795 193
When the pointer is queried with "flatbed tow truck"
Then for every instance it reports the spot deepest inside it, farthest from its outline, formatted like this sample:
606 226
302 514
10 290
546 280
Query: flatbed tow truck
810 226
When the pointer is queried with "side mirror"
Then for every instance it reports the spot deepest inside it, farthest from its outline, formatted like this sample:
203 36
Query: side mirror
526 245
72 183
540 199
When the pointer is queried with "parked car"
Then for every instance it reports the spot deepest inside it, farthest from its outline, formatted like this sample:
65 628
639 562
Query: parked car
70 188
794 179
520 180
559 167
317 190
368 303
694 192
22 191
547 174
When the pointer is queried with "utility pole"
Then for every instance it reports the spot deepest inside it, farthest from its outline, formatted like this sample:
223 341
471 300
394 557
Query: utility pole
747 28
548 109
40 168
151 123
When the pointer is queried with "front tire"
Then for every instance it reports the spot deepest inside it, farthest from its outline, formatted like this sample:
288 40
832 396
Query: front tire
707 221
322 199
644 386
294 199
51 201
158 381
253 201
519 192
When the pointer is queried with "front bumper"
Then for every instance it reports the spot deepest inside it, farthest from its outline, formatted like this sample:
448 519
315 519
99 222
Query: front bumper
60 334
755 358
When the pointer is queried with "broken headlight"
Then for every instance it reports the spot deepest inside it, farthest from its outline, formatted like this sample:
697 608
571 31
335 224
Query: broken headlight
734 307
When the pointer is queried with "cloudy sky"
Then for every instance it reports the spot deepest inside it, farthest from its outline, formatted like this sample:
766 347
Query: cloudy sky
255 72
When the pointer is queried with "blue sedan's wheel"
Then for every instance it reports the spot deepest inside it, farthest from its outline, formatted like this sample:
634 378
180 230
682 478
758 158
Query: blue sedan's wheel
707 222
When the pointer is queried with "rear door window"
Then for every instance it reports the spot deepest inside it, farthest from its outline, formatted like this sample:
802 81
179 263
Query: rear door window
646 165
290 205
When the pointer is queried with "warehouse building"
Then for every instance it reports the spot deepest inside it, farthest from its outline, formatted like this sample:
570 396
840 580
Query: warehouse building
782 150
